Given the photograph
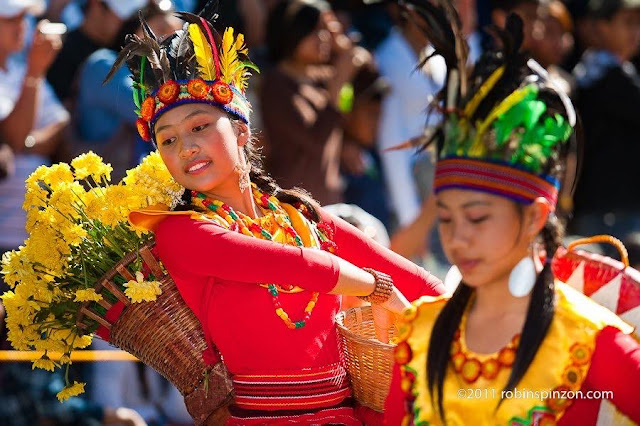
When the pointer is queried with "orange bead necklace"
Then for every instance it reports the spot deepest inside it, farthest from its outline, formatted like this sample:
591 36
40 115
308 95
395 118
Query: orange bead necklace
246 225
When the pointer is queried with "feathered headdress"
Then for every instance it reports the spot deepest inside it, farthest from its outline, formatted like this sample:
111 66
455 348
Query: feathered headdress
193 65
505 127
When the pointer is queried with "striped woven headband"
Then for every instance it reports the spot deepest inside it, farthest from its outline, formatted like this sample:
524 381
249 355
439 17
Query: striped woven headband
494 178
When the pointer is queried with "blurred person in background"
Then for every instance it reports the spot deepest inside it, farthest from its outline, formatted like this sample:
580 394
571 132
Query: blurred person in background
138 387
415 238
360 163
103 117
246 16
609 100
32 120
103 20
525 9
300 96
403 114
7 162
553 41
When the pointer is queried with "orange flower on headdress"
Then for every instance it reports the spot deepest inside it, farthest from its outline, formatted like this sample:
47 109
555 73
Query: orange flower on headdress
168 92
198 88
222 92
148 108
143 129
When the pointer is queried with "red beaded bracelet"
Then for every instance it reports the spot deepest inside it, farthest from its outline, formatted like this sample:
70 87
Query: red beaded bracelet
383 287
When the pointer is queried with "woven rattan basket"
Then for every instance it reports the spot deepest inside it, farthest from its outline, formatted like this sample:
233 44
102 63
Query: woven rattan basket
368 361
165 335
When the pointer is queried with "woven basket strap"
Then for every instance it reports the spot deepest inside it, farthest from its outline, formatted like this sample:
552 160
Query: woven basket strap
125 272
95 317
151 262
115 290
624 256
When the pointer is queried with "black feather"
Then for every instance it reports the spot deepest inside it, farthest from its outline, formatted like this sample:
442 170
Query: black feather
210 10
146 29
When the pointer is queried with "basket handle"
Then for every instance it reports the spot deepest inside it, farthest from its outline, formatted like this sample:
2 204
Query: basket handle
624 256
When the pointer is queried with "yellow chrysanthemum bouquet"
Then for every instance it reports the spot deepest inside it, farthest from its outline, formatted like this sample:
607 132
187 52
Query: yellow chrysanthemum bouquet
78 230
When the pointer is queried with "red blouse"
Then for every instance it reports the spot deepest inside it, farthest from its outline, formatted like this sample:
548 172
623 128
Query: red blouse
216 271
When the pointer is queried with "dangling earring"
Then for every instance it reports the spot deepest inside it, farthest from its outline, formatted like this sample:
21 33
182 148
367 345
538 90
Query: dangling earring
177 198
453 279
522 277
243 172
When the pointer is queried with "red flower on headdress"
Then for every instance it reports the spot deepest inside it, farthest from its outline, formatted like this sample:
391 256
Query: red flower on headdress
168 92
143 129
198 88
222 92
148 108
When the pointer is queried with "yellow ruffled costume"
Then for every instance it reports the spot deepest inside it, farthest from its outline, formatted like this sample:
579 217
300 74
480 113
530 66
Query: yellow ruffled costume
561 364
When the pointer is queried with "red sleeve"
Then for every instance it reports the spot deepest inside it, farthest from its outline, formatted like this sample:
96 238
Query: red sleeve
205 249
355 247
394 406
615 367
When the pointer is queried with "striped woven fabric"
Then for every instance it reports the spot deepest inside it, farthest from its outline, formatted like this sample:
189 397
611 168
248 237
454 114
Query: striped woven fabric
494 178
313 388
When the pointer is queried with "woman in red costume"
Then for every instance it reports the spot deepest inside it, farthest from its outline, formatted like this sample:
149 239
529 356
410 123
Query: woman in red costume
261 267
511 345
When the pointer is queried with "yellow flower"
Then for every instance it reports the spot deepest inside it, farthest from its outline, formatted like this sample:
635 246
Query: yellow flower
93 203
14 267
63 200
82 342
151 183
57 175
141 290
51 344
90 164
65 359
35 196
74 235
87 295
44 363
69 391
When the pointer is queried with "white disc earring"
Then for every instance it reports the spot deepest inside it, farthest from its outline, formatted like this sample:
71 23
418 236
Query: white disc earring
522 277
453 279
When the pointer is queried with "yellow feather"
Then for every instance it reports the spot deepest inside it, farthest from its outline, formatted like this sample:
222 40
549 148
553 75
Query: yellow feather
203 52
228 57
240 46
241 76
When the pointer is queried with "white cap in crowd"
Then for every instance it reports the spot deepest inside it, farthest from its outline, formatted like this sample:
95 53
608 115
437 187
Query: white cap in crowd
12 8
125 9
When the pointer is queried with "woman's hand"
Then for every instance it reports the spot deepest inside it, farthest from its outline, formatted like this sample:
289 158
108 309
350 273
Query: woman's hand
387 313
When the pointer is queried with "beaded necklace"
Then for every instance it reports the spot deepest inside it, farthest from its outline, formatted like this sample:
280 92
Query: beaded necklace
470 367
240 222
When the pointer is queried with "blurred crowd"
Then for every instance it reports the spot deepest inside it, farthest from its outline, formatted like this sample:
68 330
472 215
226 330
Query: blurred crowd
338 90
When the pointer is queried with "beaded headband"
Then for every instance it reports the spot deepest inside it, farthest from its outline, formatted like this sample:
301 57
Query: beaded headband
193 65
